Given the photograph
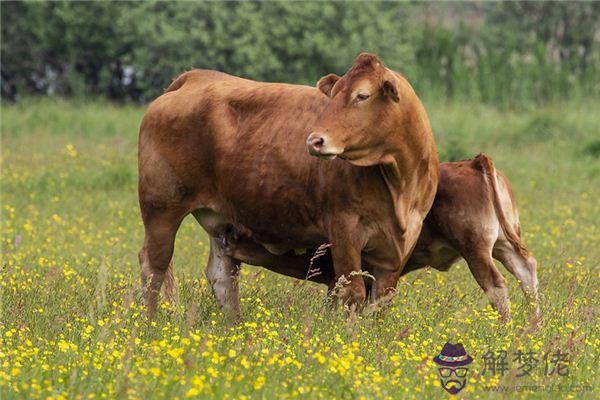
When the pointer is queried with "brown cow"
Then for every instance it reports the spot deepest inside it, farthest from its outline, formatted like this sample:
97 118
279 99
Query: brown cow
360 127
232 152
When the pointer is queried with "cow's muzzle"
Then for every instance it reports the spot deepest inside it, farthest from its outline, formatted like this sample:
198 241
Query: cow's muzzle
320 145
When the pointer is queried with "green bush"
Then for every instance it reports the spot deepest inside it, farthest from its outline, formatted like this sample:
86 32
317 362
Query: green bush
508 54
592 148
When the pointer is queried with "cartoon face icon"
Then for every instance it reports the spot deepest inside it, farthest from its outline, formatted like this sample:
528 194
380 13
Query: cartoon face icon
452 362
453 379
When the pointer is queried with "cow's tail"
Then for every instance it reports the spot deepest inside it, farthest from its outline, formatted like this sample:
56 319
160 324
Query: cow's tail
169 284
177 83
487 166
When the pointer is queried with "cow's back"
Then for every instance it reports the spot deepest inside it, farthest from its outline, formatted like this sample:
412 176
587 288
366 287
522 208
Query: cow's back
234 146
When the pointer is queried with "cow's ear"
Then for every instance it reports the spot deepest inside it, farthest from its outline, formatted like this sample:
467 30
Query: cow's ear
326 83
390 90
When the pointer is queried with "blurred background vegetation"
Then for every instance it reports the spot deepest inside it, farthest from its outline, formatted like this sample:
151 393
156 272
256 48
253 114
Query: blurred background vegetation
507 54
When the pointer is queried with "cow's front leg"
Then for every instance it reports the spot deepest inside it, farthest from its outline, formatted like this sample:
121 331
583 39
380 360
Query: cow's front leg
346 255
384 286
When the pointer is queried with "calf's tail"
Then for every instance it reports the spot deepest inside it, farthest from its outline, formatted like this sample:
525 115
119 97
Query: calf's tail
487 166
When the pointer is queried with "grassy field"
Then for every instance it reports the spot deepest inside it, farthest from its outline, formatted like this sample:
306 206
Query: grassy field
71 323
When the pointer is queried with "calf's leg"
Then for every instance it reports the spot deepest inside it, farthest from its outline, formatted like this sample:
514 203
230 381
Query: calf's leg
524 268
490 280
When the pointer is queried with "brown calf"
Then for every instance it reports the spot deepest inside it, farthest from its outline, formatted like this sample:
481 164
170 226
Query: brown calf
474 216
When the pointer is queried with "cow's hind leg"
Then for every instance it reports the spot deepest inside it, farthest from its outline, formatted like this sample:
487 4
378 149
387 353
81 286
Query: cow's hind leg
222 272
155 257
491 281
524 268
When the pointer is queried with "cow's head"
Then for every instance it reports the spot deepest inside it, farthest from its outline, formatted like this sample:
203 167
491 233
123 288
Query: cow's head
370 110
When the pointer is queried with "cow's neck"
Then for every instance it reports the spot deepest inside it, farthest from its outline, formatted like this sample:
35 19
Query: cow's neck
402 173
395 182
400 184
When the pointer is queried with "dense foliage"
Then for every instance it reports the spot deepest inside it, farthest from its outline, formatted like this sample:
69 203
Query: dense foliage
494 52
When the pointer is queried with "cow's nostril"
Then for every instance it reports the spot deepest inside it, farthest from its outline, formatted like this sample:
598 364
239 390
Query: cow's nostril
316 142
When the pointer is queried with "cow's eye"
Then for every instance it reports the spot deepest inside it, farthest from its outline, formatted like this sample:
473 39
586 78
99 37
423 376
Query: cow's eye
362 96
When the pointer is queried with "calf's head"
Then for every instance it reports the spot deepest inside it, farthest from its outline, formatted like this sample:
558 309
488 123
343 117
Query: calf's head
372 111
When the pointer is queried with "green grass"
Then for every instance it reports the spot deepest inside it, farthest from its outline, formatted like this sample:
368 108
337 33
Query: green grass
71 324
